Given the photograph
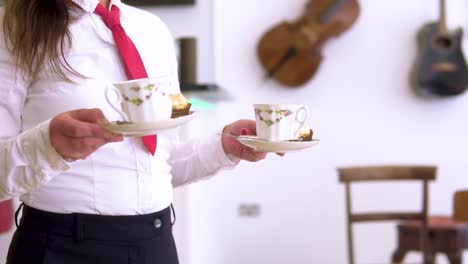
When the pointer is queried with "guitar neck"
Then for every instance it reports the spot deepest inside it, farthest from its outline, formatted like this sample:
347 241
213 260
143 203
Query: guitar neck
443 31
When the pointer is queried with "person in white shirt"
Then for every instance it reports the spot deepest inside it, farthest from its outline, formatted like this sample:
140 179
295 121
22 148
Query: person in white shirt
88 195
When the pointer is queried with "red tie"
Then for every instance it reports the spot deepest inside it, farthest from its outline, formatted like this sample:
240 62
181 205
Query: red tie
134 67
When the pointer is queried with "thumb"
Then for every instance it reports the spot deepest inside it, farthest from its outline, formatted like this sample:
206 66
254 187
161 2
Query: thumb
249 127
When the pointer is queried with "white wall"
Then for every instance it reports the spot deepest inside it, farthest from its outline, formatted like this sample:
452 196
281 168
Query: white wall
193 21
363 111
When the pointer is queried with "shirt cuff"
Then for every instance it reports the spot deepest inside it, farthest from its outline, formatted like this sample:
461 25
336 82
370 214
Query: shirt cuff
41 155
213 156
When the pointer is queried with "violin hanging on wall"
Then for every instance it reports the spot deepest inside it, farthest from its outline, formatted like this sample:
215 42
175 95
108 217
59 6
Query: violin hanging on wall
441 68
290 52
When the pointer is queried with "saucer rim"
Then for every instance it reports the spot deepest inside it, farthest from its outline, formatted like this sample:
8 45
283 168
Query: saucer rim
136 129
289 141
276 146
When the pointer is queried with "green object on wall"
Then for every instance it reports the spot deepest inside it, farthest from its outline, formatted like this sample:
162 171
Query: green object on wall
200 104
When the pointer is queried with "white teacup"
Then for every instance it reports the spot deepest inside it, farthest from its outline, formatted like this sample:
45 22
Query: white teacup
279 122
141 100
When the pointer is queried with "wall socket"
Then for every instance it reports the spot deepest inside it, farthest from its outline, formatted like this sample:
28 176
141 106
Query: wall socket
249 210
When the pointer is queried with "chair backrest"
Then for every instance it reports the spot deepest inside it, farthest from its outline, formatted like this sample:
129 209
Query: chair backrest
460 206
383 173
348 175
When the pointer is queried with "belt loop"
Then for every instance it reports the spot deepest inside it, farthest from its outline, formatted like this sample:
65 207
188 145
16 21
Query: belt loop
173 215
78 232
17 213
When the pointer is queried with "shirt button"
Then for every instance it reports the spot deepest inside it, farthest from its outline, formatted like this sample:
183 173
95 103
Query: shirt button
157 223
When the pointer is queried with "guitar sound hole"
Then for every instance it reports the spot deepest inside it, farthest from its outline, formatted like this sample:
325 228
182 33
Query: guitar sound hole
443 43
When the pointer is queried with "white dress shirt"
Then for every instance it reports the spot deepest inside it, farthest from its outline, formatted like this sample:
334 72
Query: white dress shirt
119 178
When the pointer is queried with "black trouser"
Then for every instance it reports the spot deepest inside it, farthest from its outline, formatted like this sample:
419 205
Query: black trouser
46 238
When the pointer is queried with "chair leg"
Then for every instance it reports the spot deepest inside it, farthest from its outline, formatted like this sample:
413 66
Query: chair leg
398 255
454 257
430 258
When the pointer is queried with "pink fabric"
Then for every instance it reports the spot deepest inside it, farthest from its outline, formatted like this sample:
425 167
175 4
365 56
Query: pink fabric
134 67
6 215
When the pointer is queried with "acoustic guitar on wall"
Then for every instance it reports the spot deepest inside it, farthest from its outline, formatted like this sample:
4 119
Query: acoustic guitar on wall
441 68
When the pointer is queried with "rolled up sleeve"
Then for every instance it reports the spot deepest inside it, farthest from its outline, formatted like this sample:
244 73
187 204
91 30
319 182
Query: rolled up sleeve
27 159
199 159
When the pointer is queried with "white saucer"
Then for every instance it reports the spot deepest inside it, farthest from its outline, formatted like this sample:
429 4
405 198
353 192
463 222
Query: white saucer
275 146
150 128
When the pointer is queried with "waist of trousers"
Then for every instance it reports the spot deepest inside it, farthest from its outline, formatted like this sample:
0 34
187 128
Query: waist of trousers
96 227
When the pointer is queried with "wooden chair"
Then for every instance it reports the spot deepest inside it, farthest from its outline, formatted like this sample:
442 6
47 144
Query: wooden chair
460 206
447 234
388 173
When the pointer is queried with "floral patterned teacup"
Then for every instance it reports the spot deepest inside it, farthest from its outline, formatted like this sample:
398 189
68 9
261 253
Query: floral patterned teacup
141 101
279 122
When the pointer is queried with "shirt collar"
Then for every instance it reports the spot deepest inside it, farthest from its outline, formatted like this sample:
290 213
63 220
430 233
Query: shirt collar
90 5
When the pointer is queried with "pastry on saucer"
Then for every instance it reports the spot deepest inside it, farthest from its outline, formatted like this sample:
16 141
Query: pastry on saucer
180 105
306 133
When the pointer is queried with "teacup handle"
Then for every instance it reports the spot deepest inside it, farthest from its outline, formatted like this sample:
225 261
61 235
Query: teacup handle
302 121
115 105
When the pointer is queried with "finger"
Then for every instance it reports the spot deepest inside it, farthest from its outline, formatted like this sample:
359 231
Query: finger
115 139
250 126
77 129
252 155
81 148
260 155
94 115
95 130
255 157
88 144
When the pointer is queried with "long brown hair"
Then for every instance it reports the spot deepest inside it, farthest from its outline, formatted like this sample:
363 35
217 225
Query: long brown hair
36 33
